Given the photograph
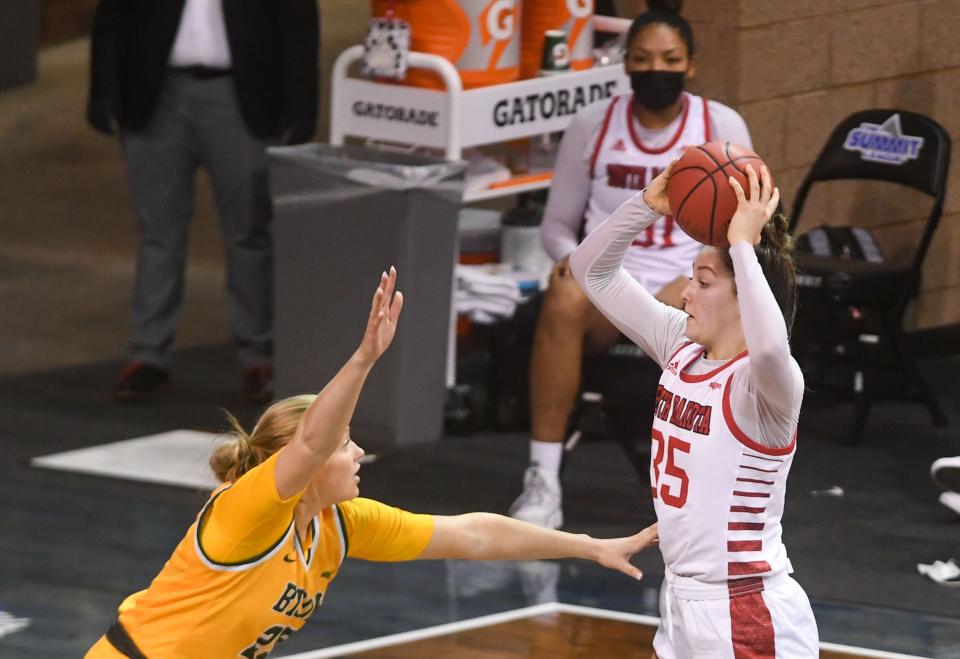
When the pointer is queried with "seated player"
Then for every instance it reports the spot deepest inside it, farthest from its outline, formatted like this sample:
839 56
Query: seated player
257 561
610 150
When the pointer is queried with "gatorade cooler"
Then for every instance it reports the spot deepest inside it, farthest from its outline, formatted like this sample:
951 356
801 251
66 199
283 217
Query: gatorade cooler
480 37
572 16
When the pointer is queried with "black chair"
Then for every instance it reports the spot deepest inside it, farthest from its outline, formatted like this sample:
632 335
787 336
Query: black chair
859 305
615 402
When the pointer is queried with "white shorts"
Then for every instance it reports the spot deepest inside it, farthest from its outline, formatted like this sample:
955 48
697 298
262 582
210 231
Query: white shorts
774 623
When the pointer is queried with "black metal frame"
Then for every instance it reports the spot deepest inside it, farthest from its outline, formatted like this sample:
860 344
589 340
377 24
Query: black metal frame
880 290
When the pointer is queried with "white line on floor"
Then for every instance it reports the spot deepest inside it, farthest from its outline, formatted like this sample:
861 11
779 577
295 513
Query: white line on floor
428 632
529 612
11 625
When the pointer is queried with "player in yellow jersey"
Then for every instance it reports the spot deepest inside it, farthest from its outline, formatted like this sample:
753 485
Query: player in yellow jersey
257 561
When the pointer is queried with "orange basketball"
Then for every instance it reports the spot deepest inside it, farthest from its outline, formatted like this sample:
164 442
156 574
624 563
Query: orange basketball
702 201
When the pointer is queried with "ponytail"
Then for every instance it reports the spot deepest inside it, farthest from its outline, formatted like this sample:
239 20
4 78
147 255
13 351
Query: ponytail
775 254
243 451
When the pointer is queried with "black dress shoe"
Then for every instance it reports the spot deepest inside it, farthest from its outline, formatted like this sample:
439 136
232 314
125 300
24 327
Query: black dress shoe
138 381
258 384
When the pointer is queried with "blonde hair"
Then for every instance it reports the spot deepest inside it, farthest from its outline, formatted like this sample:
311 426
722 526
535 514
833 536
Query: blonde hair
243 451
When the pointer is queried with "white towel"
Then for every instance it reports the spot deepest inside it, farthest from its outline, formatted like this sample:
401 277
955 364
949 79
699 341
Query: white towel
485 295
483 280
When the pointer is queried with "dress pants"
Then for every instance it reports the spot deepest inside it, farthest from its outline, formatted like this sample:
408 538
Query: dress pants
197 123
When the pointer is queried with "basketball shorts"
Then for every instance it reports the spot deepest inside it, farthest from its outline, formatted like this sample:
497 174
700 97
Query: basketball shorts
774 623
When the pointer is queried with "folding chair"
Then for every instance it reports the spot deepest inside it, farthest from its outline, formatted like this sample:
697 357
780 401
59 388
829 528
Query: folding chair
616 401
895 146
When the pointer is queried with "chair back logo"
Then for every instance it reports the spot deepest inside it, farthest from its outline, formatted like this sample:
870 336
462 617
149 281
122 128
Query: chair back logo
883 143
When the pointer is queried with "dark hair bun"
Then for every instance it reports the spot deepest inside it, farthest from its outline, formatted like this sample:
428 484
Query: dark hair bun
670 6
776 233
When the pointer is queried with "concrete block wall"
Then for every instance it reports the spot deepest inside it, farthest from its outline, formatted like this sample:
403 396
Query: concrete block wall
795 68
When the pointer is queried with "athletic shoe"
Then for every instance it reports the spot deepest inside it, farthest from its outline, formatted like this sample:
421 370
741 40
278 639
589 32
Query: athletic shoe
258 384
137 381
946 473
541 501
951 500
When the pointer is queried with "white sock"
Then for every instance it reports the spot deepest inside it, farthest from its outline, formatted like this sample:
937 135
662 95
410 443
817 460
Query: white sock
547 456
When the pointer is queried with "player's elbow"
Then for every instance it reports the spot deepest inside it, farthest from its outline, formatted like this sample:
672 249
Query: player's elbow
476 537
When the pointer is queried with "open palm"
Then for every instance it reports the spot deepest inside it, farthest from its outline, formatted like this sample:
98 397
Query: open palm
382 321
617 552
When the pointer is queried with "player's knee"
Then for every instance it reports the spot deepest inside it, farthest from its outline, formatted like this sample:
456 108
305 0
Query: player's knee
565 306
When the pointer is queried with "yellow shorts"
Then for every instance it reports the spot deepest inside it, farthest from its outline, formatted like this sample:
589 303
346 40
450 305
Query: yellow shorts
103 649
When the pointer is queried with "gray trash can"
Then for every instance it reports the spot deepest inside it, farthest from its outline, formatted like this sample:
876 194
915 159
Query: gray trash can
341 216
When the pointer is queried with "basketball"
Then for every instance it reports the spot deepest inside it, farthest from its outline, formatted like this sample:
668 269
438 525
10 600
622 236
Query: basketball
702 201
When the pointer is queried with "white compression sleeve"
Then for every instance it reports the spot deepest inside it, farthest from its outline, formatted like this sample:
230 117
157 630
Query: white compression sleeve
726 124
569 191
597 265
766 395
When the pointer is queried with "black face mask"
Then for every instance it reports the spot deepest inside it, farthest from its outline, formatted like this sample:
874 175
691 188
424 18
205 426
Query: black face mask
656 89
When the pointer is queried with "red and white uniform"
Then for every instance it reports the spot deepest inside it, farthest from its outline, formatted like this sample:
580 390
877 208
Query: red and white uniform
724 436
606 156
621 164
718 494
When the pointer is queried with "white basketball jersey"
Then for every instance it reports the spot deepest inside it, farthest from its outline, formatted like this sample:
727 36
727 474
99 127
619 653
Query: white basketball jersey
621 165
718 493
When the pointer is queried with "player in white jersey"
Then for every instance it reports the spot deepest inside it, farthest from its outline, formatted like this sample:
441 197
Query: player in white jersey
609 151
725 425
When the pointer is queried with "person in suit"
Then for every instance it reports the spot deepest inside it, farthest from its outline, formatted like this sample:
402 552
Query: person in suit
189 84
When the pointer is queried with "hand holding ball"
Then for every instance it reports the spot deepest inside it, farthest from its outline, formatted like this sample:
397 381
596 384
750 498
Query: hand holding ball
701 198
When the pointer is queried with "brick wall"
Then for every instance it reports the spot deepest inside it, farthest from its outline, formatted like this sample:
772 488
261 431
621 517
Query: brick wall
795 68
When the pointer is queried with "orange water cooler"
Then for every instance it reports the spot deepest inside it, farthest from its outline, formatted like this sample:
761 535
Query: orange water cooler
480 37
574 17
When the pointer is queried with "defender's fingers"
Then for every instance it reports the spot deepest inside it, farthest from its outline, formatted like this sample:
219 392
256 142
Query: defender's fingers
389 285
375 303
629 570
396 306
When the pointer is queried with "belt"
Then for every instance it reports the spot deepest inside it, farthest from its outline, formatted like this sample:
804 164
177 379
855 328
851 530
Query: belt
120 639
202 72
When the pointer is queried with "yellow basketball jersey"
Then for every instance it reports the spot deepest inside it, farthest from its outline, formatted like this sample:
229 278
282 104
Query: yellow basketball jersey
202 607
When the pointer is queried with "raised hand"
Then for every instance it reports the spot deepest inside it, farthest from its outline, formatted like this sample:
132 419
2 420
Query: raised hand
617 552
382 321
753 213
655 195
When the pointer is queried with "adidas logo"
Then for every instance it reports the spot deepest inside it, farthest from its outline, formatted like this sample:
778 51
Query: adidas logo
619 146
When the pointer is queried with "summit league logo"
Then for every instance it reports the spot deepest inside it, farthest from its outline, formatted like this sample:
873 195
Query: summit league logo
884 143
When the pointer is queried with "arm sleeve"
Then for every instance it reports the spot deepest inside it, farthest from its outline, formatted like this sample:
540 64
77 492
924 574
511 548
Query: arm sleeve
247 518
569 191
772 388
597 265
727 124
378 532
